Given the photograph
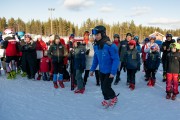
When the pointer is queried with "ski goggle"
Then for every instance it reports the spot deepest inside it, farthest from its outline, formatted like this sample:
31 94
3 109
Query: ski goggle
95 31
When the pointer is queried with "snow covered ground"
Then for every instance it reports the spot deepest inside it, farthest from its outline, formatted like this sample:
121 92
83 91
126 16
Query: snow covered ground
23 99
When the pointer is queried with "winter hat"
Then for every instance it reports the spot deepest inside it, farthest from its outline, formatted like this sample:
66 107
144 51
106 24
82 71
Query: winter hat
116 36
56 37
132 42
71 36
39 36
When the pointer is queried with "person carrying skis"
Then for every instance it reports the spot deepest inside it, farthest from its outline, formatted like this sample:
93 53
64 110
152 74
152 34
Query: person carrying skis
172 70
107 57
132 63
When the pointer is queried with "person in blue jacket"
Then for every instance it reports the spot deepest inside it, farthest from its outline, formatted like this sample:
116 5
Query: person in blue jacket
107 57
132 63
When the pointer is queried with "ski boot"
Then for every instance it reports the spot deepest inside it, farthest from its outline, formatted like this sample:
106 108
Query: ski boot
9 76
55 85
113 102
173 97
79 91
24 74
105 103
168 96
132 86
13 74
61 84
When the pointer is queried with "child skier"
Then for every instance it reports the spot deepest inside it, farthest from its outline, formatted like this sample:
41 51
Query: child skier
45 67
10 44
132 63
57 52
172 70
152 64
79 65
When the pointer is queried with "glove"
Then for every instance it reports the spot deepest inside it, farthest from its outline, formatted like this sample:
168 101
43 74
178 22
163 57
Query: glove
87 52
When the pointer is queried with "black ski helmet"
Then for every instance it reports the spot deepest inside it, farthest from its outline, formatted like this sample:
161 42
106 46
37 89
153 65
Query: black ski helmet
99 29
169 35
116 36
129 34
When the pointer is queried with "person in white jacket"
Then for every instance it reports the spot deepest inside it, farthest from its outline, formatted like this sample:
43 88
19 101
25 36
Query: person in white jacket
147 48
89 59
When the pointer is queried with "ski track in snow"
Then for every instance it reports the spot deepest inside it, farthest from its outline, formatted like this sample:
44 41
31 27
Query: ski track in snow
23 99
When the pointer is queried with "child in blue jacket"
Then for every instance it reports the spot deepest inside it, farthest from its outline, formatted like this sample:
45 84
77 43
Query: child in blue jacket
132 63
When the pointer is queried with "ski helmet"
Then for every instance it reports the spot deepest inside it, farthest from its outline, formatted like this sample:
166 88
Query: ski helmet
129 34
99 29
152 37
136 38
169 35
7 31
146 40
116 36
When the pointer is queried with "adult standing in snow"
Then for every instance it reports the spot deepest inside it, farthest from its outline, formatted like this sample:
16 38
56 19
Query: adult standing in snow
166 49
106 56
28 48
117 42
89 59
40 48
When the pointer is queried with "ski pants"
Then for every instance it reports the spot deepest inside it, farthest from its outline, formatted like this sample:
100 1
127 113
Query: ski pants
131 76
106 82
172 83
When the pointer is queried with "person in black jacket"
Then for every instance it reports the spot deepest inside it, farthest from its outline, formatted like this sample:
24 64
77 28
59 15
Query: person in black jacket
132 63
57 52
152 65
166 49
172 69
28 48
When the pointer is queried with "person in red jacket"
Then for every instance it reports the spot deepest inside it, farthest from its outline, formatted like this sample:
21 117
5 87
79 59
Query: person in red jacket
40 48
45 66
10 45
143 56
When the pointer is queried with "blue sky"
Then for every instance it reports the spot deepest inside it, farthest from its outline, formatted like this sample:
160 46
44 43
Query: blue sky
161 13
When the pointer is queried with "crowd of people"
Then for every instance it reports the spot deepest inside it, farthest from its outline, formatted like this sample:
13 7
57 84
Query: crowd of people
61 62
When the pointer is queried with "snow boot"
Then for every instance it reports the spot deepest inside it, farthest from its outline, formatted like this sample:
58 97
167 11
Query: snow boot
173 97
55 85
153 81
132 86
79 91
168 96
149 83
61 84
39 77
